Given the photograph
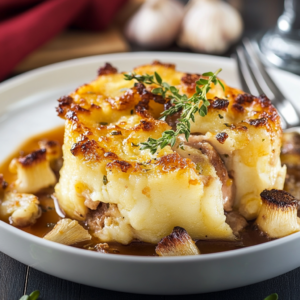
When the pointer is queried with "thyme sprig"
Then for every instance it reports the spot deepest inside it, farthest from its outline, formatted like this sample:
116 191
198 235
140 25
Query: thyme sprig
197 103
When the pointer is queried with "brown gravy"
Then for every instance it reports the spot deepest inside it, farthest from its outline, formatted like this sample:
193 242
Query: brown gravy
250 237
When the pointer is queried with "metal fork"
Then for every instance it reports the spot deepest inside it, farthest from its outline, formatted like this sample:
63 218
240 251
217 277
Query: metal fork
256 81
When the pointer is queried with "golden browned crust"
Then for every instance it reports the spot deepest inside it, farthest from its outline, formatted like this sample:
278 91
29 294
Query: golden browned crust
146 95
279 199
238 108
67 109
107 69
100 115
49 144
87 148
173 162
110 155
189 80
33 158
258 122
146 125
263 112
244 99
167 65
218 104
124 101
221 137
122 165
64 103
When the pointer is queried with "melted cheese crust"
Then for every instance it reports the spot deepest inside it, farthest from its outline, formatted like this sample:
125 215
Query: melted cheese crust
106 119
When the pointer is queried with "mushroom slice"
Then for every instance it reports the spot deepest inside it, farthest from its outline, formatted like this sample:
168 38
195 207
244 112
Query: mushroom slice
20 209
68 232
178 243
53 153
278 214
34 172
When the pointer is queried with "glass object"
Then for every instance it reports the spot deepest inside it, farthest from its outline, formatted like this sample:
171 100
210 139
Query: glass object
281 46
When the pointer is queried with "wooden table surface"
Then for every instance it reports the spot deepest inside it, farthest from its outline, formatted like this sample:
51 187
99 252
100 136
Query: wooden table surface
17 279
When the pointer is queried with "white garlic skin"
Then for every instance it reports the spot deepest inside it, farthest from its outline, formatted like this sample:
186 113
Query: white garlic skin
210 26
156 24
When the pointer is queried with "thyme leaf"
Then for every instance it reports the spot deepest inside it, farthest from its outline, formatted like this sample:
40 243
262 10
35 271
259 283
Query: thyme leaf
189 107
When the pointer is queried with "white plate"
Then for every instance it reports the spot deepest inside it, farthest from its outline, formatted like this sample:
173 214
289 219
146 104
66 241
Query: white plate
27 107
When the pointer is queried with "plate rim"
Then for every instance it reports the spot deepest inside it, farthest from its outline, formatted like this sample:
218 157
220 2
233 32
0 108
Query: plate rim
63 64
29 75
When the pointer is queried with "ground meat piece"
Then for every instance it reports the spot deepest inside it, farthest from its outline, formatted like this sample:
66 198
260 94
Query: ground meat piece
236 221
198 142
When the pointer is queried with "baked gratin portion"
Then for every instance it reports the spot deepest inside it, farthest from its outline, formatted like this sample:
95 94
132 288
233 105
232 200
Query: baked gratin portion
123 193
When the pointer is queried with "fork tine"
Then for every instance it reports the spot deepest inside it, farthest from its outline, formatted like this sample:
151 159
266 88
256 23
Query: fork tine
248 84
267 85
241 76
287 110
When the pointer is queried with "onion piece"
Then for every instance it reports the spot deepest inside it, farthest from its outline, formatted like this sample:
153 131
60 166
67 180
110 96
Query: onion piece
278 215
178 243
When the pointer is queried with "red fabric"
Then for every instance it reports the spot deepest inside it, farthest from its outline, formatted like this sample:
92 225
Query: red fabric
22 32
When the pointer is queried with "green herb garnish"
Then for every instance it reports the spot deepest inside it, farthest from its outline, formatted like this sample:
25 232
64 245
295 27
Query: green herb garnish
197 103
116 132
272 297
33 296
181 146
105 181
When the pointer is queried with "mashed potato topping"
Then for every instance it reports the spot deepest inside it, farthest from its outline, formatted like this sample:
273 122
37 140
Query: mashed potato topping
124 193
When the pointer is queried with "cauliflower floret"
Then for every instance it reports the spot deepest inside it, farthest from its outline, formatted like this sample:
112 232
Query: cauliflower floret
34 172
20 210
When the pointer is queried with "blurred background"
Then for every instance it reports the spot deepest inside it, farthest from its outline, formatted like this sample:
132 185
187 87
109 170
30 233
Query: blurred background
34 33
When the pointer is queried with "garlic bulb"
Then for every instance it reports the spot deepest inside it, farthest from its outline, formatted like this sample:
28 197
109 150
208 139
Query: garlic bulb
156 23
278 214
210 26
